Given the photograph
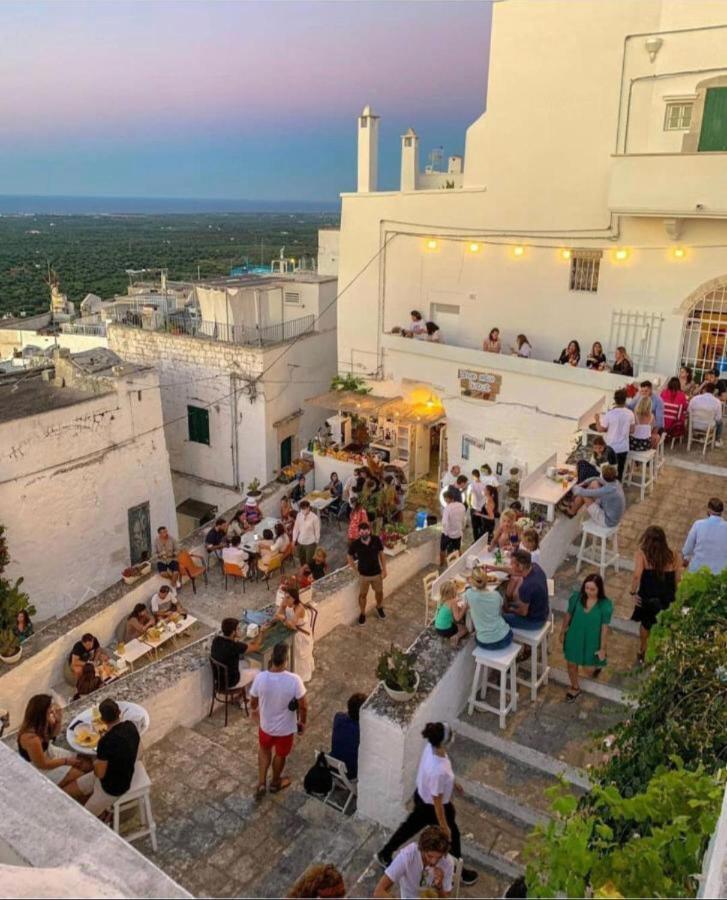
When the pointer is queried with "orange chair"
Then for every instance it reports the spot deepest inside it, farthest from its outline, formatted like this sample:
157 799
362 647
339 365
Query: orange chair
233 571
274 564
192 565
288 553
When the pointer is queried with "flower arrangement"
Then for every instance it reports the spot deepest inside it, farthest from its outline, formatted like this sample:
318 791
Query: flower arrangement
393 534
396 669
525 522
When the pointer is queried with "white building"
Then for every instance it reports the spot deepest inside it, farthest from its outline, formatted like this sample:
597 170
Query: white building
84 475
235 377
592 205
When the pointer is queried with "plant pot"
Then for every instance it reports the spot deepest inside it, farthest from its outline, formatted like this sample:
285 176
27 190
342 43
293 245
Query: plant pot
12 659
402 696
399 547
130 579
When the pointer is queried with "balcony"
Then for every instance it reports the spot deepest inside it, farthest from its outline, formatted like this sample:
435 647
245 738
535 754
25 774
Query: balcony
673 185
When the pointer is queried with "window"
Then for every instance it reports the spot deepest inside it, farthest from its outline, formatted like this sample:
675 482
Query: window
292 298
678 116
198 421
407 142
584 269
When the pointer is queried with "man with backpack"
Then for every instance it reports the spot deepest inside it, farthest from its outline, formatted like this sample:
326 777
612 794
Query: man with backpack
280 707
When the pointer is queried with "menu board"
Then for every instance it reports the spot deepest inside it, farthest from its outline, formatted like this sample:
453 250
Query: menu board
479 385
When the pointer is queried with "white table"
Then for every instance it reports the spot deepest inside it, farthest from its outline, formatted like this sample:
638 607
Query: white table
319 503
248 541
169 630
130 712
547 491
460 567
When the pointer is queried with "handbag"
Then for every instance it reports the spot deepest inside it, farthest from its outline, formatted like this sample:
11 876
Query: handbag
318 779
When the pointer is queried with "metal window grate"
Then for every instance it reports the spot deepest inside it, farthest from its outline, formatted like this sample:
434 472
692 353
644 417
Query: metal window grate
585 266
640 334
704 338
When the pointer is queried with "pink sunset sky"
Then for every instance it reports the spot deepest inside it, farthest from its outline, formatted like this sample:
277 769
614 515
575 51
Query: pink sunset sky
243 99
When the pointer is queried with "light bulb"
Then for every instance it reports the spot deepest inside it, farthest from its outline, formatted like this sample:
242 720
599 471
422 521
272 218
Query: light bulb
678 252
565 254
518 251
474 248
621 254
432 244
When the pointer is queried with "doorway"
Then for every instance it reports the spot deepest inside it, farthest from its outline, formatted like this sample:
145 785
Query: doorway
286 452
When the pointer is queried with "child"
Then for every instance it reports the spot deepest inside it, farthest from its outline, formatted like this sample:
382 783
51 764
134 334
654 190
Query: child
450 615
530 541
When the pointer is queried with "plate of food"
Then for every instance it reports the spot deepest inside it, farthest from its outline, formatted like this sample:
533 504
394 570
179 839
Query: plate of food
87 738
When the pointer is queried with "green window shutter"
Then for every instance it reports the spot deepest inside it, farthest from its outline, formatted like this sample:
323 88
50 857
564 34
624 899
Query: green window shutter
714 120
198 422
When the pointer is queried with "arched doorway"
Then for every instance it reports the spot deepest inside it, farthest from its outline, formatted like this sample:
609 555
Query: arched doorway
704 339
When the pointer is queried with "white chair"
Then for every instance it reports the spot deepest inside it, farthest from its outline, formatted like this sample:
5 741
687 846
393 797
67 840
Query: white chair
591 553
341 782
428 582
503 662
452 558
139 793
644 476
538 643
660 455
457 875
702 429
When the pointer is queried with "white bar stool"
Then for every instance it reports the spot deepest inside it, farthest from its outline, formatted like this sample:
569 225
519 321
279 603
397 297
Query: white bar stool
538 643
504 662
643 477
592 553
139 793
661 454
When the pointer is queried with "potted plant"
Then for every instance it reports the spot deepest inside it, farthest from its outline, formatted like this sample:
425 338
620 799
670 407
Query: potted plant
349 383
253 490
396 671
394 538
513 483
12 601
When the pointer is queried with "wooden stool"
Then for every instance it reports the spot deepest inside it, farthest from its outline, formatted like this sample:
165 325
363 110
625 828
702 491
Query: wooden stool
537 641
601 557
645 476
504 662
140 793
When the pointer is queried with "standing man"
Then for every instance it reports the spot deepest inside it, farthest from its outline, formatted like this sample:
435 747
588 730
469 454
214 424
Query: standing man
617 424
366 557
453 519
115 758
165 550
706 543
280 708
476 498
306 533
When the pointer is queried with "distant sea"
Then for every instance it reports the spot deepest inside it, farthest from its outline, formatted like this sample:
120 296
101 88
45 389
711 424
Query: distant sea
129 206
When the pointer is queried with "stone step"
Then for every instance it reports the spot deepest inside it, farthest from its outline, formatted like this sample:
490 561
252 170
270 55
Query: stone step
501 803
496 841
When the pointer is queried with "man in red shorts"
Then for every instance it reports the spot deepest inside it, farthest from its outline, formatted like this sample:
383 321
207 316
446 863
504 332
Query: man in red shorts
280 708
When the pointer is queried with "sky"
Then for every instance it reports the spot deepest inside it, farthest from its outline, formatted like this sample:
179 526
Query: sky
254 100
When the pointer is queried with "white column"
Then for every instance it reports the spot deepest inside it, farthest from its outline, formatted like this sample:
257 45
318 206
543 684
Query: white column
368 151
409 160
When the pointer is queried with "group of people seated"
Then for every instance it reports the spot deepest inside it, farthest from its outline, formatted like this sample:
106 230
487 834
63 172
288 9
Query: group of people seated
224 542
96 783
420 330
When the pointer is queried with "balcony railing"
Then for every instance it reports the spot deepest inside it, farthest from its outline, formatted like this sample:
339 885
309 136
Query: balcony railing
97 329
247 335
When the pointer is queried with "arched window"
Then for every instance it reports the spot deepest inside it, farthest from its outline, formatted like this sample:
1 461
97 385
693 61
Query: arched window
704 342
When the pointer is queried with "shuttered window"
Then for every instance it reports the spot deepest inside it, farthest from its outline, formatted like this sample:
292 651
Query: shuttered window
713 135
198 421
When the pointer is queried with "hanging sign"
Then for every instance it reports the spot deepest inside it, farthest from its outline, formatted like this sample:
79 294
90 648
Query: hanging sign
480 385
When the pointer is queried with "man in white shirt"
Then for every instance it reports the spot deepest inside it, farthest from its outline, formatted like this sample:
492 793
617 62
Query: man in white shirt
450 478
454 515
164 603
306 533
235 555
617 424
706 405
349 484
426 864
280 707
476 500
706 543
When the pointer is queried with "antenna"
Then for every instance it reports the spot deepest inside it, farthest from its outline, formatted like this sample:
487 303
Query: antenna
435 160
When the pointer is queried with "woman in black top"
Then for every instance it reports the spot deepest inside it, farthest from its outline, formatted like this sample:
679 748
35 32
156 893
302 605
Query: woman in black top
622 364
657 572
570 355
596 358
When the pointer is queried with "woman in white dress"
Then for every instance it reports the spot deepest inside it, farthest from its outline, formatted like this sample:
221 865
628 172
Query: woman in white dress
294 614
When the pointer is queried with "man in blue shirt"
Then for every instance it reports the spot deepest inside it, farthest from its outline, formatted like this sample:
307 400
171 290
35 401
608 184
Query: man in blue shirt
347 735
530 607
706 543
657 404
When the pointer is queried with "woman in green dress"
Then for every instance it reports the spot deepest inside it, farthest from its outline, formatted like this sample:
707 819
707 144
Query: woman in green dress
585 631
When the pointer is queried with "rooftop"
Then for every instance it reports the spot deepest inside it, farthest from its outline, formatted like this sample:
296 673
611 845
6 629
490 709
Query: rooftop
28 394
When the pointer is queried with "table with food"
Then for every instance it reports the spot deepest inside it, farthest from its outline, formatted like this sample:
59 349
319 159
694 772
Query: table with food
547 486
319 499
261 624
87 728
167 629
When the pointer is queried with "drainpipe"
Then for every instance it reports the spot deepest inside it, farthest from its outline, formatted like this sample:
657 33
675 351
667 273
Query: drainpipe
234 444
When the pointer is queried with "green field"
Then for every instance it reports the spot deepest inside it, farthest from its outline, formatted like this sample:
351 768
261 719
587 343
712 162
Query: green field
90 253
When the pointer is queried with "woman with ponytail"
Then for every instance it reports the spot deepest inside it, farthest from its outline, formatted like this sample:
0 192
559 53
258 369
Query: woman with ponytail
432 799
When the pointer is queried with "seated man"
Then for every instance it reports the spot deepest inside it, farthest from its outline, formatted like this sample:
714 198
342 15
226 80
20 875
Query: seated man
235 555
86 650
164 603
228 649
215 540
706 404
603 498
165 550
529 607
346 735
115 758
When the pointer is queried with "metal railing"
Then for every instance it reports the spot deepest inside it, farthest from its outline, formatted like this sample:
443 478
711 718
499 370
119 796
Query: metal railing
248 335
98 329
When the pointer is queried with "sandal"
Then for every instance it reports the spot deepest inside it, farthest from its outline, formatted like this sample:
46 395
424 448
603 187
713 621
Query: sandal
572 696
260 792
280 786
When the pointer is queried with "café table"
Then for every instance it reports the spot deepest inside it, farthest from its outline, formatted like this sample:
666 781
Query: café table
134 650
85 722
168 631
319 502
275 634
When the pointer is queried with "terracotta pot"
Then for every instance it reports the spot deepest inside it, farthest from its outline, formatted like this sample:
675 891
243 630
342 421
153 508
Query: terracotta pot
402 696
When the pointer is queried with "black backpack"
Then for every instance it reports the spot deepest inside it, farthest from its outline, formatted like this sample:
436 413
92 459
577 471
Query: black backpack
318 779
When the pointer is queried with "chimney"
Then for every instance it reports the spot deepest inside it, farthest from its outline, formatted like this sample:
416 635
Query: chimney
368 152
409 160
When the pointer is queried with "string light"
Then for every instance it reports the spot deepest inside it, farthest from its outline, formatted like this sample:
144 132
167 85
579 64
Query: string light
565 254
431 244
678 252
474 248
518 251
620 254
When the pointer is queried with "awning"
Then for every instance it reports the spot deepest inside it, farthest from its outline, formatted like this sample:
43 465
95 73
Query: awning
350 402
412 413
